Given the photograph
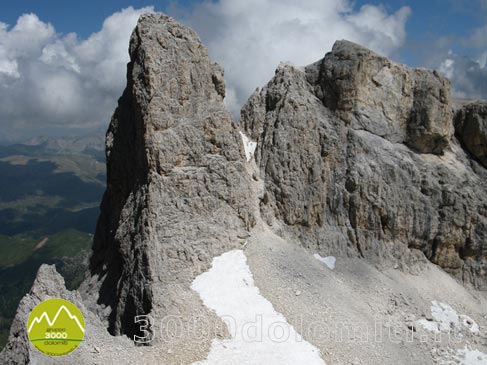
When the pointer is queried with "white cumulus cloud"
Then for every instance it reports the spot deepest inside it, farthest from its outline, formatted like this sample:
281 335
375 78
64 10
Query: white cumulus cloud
468 77
59 84
250 38
53 83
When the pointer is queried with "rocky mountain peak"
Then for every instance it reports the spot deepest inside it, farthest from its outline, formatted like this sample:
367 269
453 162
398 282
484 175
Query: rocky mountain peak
357 158
372 93
177 190
48 284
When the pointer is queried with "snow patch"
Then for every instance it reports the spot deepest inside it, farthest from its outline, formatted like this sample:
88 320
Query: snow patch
445 318
329 261
469 323
260 335
249 146
467 356
428 325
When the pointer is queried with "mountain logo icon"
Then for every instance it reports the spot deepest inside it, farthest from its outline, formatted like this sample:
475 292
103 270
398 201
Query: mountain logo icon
56 327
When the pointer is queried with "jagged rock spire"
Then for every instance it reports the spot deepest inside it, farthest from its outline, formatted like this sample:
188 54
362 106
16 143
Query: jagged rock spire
177 192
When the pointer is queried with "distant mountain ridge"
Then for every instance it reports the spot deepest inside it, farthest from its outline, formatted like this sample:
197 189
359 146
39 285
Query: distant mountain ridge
50 191
82 144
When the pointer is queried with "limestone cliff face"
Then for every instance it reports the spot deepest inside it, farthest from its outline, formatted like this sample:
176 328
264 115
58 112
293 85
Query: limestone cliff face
177 191
471 129
358 158
390 100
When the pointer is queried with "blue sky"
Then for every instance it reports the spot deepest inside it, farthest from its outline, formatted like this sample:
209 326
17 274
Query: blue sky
429 20
56 75
82 17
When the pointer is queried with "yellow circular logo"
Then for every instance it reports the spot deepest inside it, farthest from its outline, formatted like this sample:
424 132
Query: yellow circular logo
56 327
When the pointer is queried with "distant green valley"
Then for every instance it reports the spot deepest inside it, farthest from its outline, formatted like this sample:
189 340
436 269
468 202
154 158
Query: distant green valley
50 191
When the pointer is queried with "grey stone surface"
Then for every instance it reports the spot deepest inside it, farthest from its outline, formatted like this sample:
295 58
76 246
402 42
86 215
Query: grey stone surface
177 192
356 157
390 100
48 284
18 349
471 129
339 175
98 346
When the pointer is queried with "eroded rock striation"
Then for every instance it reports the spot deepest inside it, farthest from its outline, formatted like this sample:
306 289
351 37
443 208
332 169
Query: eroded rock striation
358 156
177 192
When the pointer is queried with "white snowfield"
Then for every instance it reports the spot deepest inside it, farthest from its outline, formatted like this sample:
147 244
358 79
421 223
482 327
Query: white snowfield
468 356
445 319
329 261
249 146
260 335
